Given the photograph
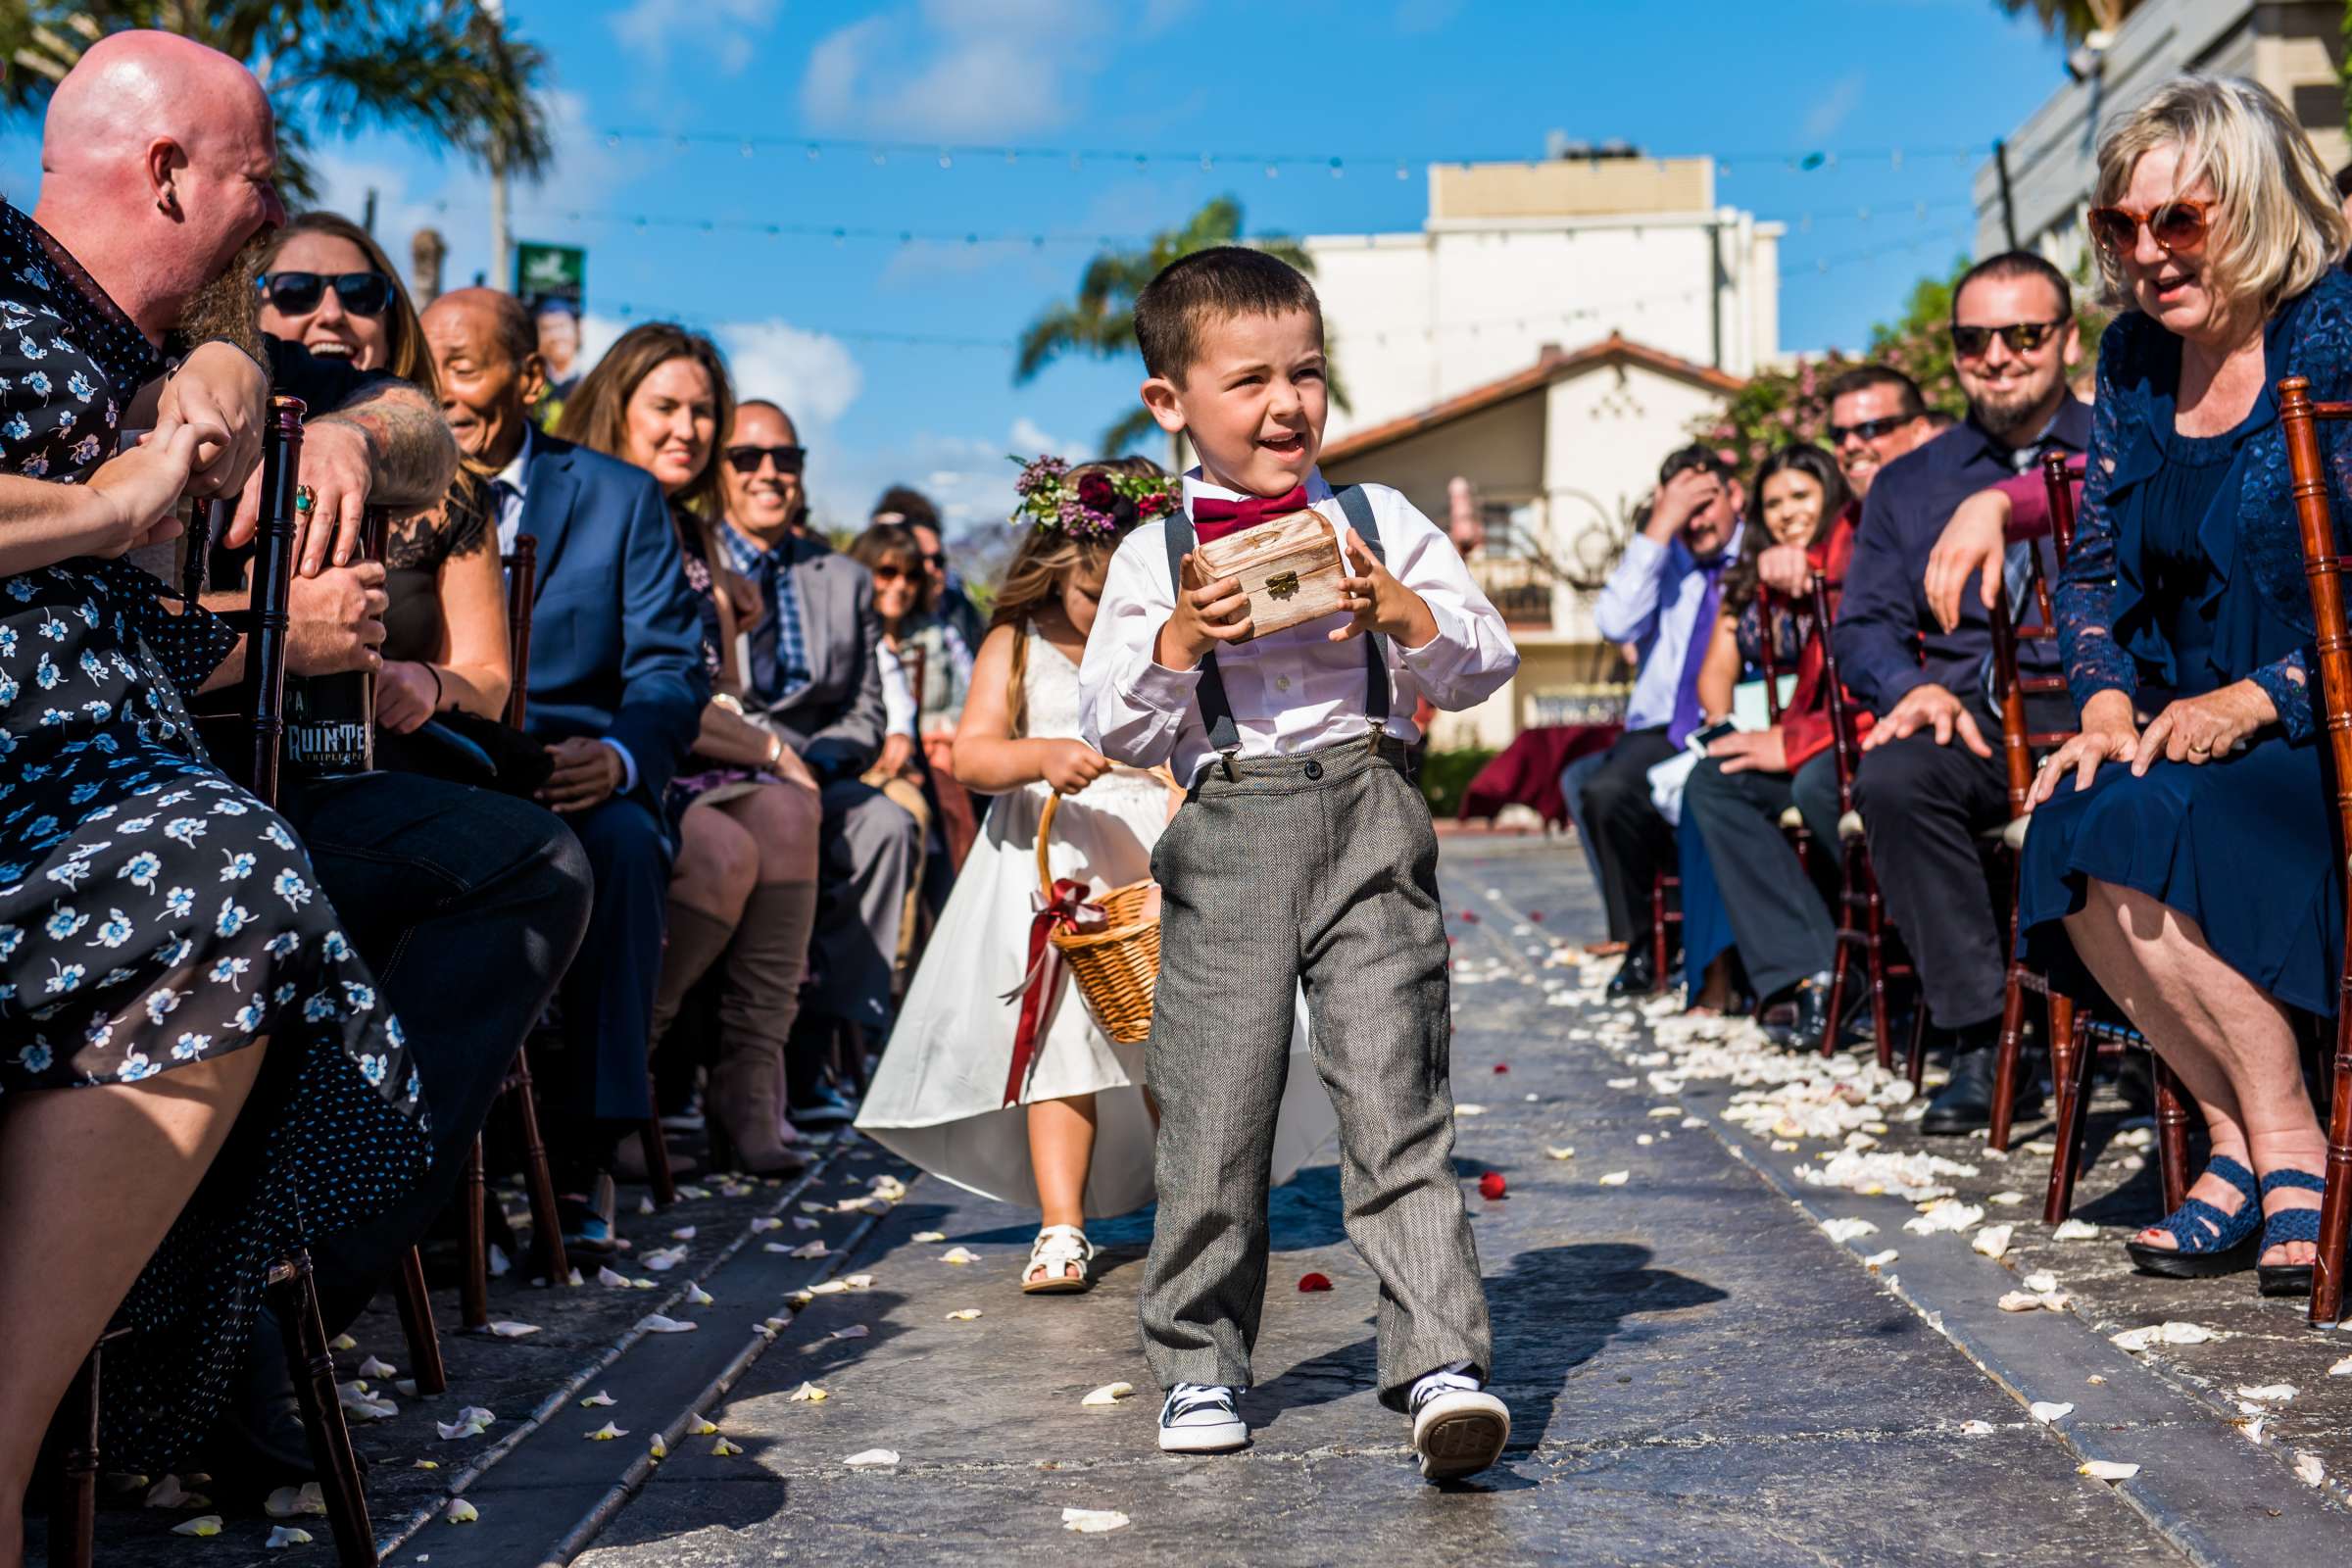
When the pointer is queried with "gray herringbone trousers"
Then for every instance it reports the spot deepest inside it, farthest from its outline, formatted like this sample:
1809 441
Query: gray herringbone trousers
1319 870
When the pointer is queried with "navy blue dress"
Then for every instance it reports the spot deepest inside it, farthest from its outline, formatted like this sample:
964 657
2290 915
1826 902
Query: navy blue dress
2242 845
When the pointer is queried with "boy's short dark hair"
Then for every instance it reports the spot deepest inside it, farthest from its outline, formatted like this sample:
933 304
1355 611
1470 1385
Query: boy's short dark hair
1217 284
1862 378
2018 264
1695 457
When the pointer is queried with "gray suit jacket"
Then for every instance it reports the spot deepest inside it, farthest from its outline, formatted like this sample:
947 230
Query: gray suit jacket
835 721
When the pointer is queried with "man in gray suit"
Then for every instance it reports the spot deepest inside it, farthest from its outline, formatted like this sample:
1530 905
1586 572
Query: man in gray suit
811 676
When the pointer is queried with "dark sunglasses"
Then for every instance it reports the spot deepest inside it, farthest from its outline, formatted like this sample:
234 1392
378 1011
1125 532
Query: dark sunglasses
746 460
892 575
299 293
2174 227
2022 337
1869 429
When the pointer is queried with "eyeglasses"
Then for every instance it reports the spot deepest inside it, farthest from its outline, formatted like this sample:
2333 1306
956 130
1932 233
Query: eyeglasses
2174 227
936 560
2022 337
887 573
299 293
1869 429
746 460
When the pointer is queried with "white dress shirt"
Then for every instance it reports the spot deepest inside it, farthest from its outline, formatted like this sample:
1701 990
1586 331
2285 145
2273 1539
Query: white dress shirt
1292 691
898 693
507 488
1652 600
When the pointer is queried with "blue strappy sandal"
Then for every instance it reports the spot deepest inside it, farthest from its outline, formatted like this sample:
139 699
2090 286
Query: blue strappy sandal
2288 1225
2211 1243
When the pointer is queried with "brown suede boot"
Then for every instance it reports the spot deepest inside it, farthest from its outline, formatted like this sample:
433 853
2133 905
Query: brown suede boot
694 941
760 997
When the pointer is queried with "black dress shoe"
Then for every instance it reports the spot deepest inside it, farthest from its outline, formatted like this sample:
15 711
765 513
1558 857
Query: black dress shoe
1637 976
1796 1017
1965 1105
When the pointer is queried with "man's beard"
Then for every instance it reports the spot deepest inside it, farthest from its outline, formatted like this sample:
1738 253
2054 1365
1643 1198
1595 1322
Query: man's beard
2006 417
230 306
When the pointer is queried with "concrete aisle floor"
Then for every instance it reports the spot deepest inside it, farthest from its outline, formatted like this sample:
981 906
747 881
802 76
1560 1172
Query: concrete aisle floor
1695 1373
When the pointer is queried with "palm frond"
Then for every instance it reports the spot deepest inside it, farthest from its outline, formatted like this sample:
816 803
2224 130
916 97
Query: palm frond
1129 432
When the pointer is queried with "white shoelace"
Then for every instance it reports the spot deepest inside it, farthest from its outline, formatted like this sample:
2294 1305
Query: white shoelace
1187 1397
1437 1383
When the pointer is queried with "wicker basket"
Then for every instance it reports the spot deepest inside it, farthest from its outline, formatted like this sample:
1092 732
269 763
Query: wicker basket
1117 966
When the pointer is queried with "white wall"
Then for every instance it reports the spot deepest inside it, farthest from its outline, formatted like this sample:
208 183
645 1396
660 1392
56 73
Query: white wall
1416 318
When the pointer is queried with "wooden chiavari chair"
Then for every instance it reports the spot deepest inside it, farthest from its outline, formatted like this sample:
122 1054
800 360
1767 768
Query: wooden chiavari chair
288 1286
2323 566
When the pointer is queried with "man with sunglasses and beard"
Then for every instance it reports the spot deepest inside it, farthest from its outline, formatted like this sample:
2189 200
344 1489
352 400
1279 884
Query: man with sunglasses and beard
1930 780
813 678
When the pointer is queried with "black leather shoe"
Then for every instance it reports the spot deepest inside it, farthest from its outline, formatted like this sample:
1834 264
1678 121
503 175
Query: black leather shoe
1637 976
1965 1105
1795 1019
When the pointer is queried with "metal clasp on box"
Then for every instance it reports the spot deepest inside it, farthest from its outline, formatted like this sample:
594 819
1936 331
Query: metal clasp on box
1282 586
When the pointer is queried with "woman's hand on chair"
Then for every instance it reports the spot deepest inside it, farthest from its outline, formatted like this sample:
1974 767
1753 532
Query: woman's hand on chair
1974 544
2109 735
2198 730
1786 570
1070 765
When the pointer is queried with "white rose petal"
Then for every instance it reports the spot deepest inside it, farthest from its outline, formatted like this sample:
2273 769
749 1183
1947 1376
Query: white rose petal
2046 1412
2042 1280
872 1459
657 1447
697 1295
657 1323
959 1255
169 1494
1976 1429
1847 1230
605 1432
2309 1468
2076 1230
929 1236
2268 1393
809 1249
1882 1259
509 1330
765 1223
685 1233
460 1512
808 1393
1559 1152
1109 1394
801 1222
208 1524
375 1368
2006 1199
1616 1178
2341 1368
2018 1301
2106 1470
284 1536
607 1277
855 1331
1993 1240
968 1313
598 1399
342 1342
2176 1333
1469 1111
1093 1520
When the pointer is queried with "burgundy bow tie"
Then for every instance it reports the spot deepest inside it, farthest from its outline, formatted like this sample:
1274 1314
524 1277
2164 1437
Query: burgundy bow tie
1214 516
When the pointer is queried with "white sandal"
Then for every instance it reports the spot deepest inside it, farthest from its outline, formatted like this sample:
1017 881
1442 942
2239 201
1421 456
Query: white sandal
1057 1250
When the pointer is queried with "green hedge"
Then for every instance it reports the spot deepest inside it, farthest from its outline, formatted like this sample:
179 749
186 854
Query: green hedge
1446 775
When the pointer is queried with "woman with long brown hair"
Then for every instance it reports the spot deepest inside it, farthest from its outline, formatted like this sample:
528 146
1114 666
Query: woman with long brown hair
743 893
327 285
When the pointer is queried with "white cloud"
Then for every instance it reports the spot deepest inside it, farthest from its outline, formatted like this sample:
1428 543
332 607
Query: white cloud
651 27
967 478
1029 437
1831 109
960 68
814 377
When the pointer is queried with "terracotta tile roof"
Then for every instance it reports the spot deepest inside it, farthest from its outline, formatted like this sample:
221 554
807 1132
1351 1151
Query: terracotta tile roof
1553 364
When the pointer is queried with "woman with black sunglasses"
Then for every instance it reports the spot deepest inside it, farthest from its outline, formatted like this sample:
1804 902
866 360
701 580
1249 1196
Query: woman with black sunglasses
2181 852
328 286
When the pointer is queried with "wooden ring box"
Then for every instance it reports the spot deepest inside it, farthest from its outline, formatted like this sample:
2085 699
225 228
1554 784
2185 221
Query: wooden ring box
1291 567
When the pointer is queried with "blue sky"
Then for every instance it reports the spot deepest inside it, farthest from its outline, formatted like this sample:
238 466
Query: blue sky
1378 83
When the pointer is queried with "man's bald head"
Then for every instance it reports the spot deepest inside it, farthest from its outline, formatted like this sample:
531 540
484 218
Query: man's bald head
486 351
159 162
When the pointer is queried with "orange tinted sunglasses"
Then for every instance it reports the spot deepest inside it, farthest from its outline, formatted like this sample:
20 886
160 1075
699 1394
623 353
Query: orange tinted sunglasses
2174 227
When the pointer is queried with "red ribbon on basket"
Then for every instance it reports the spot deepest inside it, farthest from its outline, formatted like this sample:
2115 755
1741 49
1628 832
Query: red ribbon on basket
1039 986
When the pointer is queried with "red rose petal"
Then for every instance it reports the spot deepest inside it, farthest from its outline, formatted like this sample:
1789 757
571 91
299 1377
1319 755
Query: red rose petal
1536 915
1314 1282
1502 1066
1492 1185
1469 917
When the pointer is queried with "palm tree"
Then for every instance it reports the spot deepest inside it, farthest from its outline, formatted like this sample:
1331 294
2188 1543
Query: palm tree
449 69
1101 321
2074 20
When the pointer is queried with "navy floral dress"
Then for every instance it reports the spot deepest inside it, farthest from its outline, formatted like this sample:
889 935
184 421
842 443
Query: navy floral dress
2186 576
152 914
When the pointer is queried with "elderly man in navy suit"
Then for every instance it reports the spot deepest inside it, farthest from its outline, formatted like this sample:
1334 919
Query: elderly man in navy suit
617 692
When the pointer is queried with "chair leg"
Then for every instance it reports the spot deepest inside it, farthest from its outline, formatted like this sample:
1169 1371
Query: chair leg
1915 1064
473 1242
416 1323
1657 924
2335 1204
546 1224
1874 958
2171 1134
295 1303
73 1504
2070 1070
657 1162
2005 1061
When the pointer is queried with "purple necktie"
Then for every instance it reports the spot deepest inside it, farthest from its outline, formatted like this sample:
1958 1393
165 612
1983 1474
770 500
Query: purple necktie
1687 715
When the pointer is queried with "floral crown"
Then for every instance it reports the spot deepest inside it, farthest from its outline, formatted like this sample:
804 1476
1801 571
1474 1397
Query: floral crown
1100 505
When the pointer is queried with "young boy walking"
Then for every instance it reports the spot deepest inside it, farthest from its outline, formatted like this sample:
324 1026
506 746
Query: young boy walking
1303 854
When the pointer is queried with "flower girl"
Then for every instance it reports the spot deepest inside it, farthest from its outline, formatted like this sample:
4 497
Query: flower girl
1070 1135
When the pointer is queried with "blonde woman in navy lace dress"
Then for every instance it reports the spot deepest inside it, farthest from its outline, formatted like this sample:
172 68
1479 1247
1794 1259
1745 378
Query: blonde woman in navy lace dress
158 926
